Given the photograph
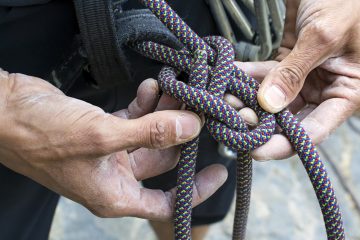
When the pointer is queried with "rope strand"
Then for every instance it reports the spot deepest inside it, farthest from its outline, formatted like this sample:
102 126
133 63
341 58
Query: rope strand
209 63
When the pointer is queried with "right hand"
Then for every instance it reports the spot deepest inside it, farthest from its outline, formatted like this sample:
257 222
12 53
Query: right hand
94 158
316 75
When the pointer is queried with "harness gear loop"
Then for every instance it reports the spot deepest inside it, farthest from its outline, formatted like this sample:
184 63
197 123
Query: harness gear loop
209 63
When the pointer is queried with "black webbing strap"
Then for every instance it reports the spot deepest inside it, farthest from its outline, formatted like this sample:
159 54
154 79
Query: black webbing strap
97 27
141 25
106 30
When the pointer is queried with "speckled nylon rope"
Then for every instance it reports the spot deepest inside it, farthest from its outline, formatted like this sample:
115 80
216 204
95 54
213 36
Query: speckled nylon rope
209 63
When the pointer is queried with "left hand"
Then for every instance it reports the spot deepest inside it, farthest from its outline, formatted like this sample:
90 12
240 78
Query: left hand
95 158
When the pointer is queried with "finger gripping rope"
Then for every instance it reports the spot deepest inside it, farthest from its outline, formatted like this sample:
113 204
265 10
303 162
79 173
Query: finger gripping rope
209 64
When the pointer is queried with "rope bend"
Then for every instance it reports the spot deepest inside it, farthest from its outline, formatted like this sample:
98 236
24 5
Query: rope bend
209 63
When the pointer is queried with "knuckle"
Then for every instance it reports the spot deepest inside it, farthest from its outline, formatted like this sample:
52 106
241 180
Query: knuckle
106 209
98 140
172 165
14 80
104 212
291 78
4 74
324 35
100 213
159 133
98 210
18 84
175 156
98 130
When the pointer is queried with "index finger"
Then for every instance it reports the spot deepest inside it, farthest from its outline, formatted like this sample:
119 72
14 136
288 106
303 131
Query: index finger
319 124
257 70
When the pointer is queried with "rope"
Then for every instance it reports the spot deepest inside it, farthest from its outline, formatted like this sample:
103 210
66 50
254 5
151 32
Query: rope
209 64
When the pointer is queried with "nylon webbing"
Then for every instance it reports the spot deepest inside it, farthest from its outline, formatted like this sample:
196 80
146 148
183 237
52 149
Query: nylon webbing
98 31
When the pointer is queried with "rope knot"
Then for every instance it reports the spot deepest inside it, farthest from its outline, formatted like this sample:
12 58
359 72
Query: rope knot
206 88
209 65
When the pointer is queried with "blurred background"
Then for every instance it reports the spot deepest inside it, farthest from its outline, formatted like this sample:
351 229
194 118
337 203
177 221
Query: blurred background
283 204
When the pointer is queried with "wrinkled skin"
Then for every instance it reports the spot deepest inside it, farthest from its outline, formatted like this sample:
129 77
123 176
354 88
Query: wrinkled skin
94 158
317 72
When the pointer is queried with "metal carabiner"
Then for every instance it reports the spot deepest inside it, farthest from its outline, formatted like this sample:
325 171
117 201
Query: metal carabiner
269 16
221 19
277 13
249 4
239 18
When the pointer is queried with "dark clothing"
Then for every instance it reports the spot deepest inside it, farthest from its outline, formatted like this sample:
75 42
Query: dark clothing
32 39
35 38
198 16
215 208
18 3
26 208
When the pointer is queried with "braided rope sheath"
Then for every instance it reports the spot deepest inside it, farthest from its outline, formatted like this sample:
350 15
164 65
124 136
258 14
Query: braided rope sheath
209 63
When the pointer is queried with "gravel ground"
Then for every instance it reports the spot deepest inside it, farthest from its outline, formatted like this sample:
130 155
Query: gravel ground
283 204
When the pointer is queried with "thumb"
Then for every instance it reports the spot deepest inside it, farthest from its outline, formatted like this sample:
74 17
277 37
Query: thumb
156 130
284 82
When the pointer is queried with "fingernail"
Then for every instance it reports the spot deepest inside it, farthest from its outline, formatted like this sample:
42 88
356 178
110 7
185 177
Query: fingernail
187 126
153 84
275 97
260 157
150 84
249 116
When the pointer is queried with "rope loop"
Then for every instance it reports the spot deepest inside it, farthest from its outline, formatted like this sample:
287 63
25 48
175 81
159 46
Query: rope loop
209 63
205 91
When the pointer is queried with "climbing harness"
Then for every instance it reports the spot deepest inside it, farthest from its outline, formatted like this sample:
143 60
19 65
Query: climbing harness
208 63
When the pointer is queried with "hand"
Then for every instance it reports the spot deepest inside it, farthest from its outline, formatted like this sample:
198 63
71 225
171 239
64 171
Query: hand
318 76
94 158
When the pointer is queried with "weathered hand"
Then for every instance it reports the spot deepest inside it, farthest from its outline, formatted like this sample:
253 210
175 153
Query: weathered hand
318 75
95 158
